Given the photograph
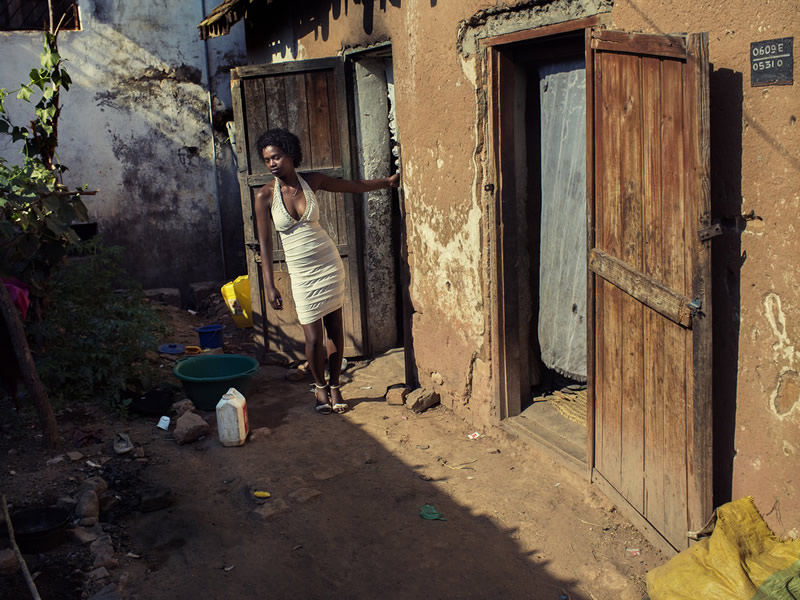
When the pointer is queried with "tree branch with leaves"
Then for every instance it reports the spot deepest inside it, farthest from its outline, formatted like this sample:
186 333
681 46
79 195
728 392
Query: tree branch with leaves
36 210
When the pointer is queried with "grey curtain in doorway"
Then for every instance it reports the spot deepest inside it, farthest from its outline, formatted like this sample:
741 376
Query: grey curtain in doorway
562 271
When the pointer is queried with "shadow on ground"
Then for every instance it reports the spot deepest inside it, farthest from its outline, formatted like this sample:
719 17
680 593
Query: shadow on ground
343 520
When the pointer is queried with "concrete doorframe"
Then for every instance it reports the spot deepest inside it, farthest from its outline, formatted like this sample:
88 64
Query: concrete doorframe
373 91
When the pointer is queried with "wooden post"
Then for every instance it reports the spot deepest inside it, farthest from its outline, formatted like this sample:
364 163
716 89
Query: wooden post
20 559
27 368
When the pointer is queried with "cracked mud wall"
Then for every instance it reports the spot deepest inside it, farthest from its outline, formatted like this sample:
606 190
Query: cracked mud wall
441 115
135 126
755 160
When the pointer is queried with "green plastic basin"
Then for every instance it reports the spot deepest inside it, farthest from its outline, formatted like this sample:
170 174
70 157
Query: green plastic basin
205 378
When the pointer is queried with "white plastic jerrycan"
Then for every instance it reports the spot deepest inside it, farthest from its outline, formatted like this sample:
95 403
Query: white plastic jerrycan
232 418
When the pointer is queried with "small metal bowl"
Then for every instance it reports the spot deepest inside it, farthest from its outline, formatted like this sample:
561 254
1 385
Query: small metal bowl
40 528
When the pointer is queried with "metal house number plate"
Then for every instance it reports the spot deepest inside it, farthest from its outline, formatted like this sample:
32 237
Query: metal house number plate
771 62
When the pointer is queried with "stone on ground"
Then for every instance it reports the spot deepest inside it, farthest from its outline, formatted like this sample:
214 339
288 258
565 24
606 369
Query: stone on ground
86 535
183 406
421 400
8 562
396 396
97 484
88 505
103 551
190 427
271 509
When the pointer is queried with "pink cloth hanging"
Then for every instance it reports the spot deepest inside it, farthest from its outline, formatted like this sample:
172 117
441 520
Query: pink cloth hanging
19 295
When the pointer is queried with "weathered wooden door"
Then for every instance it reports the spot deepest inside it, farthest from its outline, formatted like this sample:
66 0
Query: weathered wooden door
310 99
650 279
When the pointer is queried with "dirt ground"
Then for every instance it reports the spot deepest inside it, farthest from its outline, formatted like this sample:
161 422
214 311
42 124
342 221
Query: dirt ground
343 519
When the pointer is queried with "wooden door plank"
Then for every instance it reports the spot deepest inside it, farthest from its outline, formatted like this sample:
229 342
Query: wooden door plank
699 443
639 43
498 359
591 321
319 116
265 178
255 117
508 297
642 287
257 301
674 226
632 432
242 158
610 240
296 112
654 352
599 203
248 222
289 67
275 97
338 112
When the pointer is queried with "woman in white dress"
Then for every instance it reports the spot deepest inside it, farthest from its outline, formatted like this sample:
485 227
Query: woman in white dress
315 268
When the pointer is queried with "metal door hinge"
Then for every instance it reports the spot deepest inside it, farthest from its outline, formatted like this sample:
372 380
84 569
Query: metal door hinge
710 231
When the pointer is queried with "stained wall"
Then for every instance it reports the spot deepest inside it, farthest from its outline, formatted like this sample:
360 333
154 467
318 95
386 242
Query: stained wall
441 115
138 133
140 126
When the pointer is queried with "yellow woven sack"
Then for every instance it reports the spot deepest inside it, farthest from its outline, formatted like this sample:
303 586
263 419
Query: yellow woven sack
742 560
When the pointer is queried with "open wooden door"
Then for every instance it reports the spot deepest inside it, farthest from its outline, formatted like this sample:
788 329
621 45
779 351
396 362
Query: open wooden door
650 284
309 98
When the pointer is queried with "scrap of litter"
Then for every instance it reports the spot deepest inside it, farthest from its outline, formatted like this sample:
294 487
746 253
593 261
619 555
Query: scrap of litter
458 467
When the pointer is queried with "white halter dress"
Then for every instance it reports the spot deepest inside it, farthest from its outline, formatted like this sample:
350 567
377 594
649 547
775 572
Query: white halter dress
315 267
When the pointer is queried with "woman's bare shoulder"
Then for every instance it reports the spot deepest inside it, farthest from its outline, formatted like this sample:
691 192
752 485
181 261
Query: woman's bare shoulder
264 194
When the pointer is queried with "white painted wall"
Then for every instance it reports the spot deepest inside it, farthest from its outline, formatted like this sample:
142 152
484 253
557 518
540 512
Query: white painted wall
136 127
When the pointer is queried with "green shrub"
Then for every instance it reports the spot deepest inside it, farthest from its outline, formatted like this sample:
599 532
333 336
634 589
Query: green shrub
96 328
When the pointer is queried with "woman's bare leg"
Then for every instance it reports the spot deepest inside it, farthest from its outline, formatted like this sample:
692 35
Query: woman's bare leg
334 327
315 354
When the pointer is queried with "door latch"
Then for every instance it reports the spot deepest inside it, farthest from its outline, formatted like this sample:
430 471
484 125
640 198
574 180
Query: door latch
695 307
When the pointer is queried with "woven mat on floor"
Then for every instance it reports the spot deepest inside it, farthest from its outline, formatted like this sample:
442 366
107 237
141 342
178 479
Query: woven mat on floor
570 405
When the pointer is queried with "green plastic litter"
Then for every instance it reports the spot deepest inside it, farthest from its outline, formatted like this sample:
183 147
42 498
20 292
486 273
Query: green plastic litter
429 512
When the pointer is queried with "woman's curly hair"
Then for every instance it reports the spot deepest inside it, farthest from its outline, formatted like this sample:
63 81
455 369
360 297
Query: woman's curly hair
283 139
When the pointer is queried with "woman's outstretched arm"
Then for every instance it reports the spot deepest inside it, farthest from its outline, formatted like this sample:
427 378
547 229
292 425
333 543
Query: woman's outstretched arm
320 181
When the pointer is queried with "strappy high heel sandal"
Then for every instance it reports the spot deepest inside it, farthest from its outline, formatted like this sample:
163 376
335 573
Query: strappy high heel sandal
338 407
322 408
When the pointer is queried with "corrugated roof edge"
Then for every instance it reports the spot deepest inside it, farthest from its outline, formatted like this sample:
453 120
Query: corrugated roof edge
223 17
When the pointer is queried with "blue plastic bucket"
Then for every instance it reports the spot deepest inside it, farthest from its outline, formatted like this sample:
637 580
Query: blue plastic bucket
210 336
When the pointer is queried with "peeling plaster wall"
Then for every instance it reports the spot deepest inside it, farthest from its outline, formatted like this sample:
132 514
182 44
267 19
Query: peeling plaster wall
441 118
441 111
136 126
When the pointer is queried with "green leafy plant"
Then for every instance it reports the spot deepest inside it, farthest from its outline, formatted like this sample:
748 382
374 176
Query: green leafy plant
93 338
36 209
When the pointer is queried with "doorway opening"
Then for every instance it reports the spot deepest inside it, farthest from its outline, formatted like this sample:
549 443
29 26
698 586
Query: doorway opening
377 153
549 214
